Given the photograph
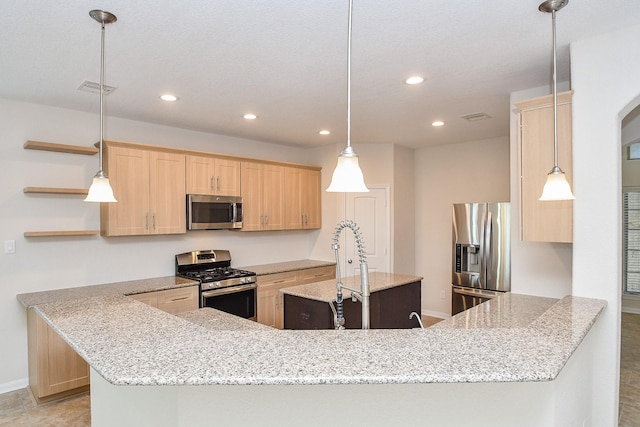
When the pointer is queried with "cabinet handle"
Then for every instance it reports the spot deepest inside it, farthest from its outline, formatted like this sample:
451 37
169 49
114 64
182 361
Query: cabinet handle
154 221
213 185
278 281
261 219
179 299
266 219
146 221
218 182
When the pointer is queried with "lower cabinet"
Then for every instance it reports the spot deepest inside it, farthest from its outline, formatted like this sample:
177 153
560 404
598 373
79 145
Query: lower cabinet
270 299
171 300
389 309
55 369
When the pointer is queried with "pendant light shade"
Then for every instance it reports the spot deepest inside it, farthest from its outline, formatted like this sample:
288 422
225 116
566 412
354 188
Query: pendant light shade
100 190
347 177
556 187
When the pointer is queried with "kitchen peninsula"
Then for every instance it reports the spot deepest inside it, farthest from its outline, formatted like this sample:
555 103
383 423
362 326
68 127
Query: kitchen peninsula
162 370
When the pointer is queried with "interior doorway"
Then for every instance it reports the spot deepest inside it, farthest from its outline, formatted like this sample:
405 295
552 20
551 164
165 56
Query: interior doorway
370 211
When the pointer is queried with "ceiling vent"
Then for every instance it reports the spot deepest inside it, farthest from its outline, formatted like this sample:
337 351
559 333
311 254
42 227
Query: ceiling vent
94 87
474 117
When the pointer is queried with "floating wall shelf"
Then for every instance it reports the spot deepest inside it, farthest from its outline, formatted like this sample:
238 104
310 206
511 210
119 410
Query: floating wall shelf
60 148
52 190
61 233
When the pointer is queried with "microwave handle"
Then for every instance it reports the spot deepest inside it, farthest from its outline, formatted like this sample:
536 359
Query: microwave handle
235 212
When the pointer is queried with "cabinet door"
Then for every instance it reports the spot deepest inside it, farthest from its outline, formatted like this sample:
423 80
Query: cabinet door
54 367
128 171
270 299
251 187
544 221
167 198
227 177
293 215
273 197
267 306
200 177
311 195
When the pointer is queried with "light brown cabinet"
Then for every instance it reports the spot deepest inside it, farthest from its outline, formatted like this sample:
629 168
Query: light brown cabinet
270 305
212 175
55 369
303 194
263 195
150 189
172 301
544 221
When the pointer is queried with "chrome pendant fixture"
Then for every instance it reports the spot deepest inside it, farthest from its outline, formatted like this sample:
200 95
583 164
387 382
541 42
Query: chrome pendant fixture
347 177
556 187
100 190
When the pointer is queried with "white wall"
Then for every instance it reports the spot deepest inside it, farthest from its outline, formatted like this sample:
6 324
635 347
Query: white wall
467 172
51 263
606 78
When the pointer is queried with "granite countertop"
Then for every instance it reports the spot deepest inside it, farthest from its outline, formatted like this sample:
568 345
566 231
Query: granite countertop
325 291
510 338
120 288
217 320
282 267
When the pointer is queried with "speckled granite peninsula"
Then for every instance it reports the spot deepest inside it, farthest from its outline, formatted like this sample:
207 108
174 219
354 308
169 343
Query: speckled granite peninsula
522 340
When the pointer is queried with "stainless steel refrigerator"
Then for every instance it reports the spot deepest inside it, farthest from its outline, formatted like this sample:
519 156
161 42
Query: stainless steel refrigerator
481 253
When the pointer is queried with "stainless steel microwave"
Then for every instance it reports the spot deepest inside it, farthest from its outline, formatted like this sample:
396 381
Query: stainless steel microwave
206 212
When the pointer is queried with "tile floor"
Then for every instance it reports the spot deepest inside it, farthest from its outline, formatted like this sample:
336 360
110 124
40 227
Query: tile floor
17 408
630 371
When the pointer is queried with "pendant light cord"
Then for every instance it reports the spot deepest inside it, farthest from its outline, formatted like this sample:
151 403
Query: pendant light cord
555 96
349 77
101 95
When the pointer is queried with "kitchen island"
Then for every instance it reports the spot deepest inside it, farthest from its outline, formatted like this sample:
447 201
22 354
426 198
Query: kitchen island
158 369
393 298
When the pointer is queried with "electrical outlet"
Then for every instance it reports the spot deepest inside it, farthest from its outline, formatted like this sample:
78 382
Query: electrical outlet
9 246
443 294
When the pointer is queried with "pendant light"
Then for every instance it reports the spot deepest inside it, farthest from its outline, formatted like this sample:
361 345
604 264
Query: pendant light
347 177
100 190
556 187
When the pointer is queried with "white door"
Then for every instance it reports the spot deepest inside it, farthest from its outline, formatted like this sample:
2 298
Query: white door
370 211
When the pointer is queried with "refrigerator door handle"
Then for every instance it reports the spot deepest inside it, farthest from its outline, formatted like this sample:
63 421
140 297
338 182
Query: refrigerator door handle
479 293
488 261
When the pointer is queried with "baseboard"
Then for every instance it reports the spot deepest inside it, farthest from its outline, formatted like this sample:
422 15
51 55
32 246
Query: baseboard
630 310
14 385
437 314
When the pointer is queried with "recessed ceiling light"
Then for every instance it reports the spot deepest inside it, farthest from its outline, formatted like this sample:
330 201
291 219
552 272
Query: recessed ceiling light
324 132
250 116
414 80
437 123
168 97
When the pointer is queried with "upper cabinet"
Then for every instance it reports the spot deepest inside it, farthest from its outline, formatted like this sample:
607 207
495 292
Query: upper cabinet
544 221
262 196
212 175
150 188
302 202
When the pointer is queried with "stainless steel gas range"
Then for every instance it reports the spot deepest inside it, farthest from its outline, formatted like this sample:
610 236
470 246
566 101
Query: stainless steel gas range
221 287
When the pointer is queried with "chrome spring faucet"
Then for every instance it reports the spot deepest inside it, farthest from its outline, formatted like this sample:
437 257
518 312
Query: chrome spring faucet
364 292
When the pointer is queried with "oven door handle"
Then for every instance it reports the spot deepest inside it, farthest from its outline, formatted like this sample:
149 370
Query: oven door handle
229 290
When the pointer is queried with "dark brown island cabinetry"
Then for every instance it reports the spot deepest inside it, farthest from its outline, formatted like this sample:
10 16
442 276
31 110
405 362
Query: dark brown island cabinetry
390 309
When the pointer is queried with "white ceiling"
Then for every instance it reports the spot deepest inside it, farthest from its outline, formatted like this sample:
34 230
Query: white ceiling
285 60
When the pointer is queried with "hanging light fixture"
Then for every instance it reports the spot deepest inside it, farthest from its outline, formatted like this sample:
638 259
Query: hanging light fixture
347 177
100 190
556 187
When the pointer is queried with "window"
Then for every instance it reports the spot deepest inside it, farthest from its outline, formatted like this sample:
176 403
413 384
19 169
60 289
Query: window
631 240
